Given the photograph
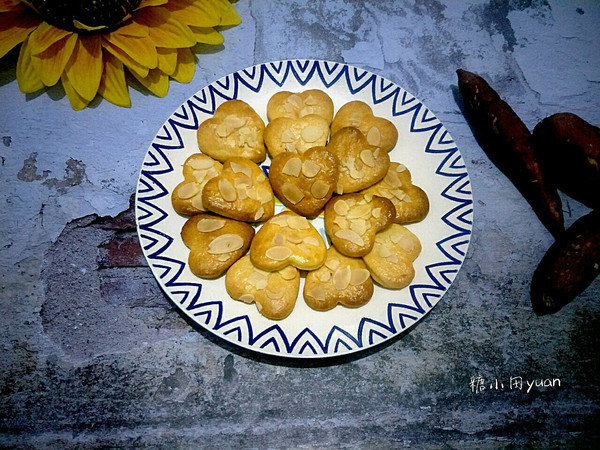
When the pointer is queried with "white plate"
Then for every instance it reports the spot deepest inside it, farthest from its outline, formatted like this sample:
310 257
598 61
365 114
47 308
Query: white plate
424 146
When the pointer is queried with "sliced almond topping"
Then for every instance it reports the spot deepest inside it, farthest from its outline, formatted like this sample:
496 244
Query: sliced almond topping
210 173
392 258
279 253
359 276
295 100
225 243
223 129
342 277
281 221
341 222
377 152
341 207
332 263
262 283
317 292
264 195
275 295
384 251
361 210
366 156
399 194
376 213
260 212
292 167
319 189
239 168
359 226
310 240
197 203
236 121
306 111
288 273
355 119
278 239
350 235
406 198
246 298
291 147
287 136
391 178
292 192
298 222
295 238
357 174
311 100
227 190
311 133
325 276
201 163
374 136
224 257
208 225
400 168
188 190
310 169
257 277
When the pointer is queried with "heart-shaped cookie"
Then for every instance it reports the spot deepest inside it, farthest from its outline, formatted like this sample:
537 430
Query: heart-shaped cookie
274 293
296 135
379 131
287 239
340 279
299 104
411 202
391 260
197 170
304 182
353 220
361 164
234 130
215 243
241 192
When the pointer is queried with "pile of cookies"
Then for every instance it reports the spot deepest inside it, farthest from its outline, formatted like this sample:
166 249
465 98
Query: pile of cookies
337 166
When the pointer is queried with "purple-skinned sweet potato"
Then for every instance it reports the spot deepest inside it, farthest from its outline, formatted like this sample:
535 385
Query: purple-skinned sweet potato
509 144
569 149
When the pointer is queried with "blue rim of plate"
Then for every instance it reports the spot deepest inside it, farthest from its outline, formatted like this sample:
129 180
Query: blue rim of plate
452 220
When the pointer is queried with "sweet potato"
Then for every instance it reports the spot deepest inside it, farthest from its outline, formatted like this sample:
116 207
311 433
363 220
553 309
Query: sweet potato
509 144
569 150
569 266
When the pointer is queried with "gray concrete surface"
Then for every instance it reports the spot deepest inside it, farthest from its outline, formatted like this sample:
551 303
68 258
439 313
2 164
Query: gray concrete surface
93 354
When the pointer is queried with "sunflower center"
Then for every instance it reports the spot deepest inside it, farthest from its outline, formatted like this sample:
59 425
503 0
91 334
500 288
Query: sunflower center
84 15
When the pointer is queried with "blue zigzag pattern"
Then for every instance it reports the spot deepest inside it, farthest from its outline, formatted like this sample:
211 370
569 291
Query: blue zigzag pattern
273 339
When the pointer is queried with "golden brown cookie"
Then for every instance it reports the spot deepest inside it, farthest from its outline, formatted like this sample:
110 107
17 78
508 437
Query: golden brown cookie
287 239
197 170
299 104
352 221
296 135
391 260
411 202
241 192
340 279
274 293
304 182
234 130
215 243
361 164
379 131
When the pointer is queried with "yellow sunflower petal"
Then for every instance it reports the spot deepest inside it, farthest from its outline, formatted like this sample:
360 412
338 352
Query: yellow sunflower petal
27 77
76 100
207 35
8 5
130 63
186 65
167 60
84 68
141 50
165 30
15 26
146 3
132 28
113 86
51 63
199 14
44 36
229 15
156 82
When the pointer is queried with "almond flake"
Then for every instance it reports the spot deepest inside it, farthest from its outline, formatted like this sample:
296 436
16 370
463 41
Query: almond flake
319 189
292 192
317 292
278 239
306 111
341 222
288 273
341 278
246 298
325 276
359 276
227 190
351 236
287 136
239 168
332 263
295 100
366 156
225 243
208 225
292 167
391 178
374 136
260 212
311 133
341 207
309 240
376 213
311 100
188 190
298 222
197 203
310 169
400 168
361 210
279 253
201 163
223 130
275 295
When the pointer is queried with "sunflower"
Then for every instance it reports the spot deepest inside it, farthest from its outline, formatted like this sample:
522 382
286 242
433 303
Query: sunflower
87 44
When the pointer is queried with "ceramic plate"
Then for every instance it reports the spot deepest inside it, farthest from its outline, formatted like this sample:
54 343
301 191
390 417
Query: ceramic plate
424 146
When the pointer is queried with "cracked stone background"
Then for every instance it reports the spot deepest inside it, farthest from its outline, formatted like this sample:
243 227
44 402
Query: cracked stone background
92 353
